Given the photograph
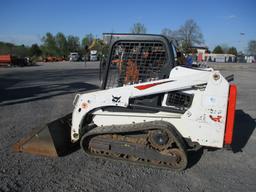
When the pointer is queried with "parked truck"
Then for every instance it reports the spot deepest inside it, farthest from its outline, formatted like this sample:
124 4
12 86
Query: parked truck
93 55
10 60
74 56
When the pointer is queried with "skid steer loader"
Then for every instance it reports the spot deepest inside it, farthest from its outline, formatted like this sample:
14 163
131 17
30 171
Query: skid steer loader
149 110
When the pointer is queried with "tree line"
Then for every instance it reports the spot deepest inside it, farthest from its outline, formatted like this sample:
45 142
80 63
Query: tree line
185 37
54 45
225 50
188 35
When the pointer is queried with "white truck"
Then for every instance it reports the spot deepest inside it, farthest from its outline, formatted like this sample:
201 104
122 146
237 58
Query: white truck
73 56
93 55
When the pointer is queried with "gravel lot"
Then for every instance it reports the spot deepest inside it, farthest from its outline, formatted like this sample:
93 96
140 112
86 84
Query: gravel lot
33 96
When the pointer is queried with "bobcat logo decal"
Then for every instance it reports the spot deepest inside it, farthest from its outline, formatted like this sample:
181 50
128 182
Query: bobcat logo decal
116 99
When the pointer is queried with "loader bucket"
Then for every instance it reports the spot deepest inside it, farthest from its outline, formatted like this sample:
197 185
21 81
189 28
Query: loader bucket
51 140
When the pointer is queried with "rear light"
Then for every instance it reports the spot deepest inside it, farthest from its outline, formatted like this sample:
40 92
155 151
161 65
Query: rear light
230 114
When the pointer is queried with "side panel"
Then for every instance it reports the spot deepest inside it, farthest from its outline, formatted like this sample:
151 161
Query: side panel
204 122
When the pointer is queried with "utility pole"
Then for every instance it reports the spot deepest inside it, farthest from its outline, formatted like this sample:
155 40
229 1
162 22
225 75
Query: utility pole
241 42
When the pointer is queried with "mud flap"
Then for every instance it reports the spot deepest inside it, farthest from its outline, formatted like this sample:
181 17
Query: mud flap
52 140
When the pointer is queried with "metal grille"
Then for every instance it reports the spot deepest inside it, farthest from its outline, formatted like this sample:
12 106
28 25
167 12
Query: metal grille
135 62
179 99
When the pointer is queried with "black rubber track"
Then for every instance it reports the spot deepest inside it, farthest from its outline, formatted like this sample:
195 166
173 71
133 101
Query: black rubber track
136 127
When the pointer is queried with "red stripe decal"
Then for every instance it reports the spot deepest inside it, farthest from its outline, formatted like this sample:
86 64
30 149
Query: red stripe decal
230 114
143 87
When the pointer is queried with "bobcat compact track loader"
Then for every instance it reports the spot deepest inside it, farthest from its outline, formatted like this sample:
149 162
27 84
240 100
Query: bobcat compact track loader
149 110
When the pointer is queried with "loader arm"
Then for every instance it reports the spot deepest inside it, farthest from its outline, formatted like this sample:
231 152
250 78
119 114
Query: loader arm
180 78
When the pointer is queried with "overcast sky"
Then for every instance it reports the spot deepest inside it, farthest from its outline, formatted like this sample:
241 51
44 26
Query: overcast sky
221 21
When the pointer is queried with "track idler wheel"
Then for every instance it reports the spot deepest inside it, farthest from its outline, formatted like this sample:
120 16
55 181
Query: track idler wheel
159 139
181 159
165 142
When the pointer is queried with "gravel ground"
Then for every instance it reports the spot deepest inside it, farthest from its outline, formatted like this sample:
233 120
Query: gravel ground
33 96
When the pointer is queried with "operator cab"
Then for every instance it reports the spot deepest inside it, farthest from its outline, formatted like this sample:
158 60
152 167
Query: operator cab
137 58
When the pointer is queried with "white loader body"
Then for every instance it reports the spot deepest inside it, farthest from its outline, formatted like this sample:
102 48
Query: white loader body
204 122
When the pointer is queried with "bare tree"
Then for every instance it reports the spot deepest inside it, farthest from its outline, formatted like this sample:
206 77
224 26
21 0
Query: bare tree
190 34
138 28
170 34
